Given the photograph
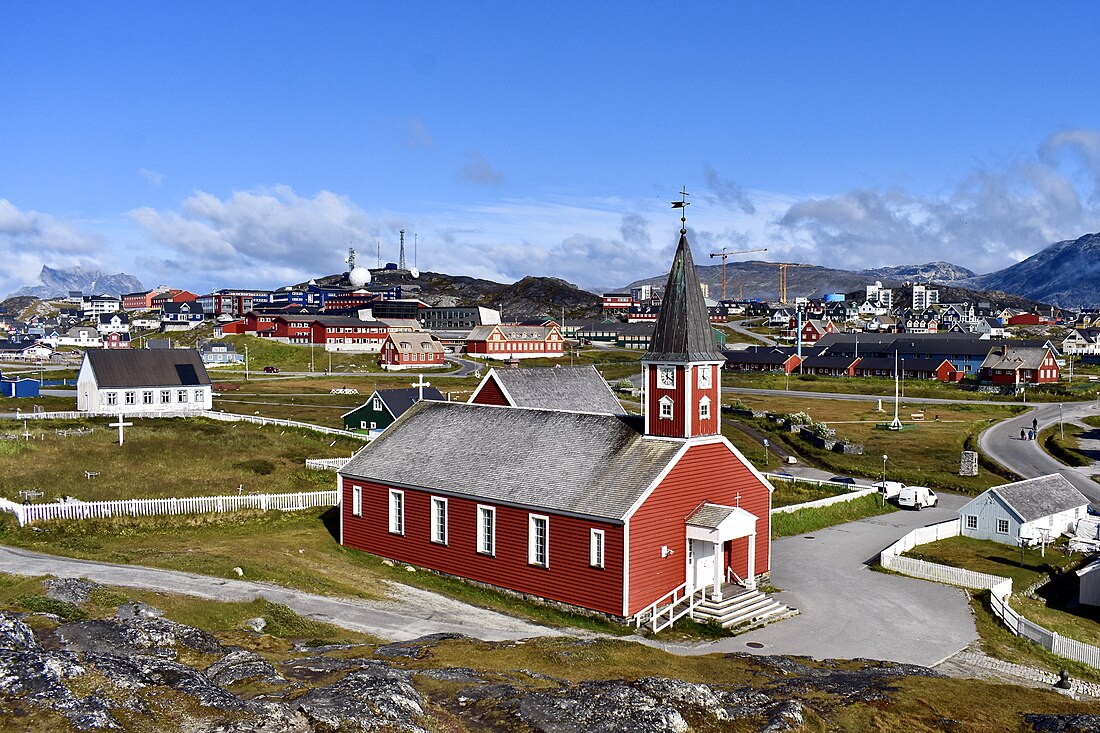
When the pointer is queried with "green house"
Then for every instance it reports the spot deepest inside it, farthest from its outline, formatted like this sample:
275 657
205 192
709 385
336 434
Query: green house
385 406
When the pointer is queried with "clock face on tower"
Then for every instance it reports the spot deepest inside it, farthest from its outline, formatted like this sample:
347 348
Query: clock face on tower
704 376
666 377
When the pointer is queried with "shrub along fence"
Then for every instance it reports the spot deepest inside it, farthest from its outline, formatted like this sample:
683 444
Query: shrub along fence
1000 590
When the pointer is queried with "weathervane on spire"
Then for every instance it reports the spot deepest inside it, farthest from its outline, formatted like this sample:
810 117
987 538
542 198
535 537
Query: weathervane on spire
682 204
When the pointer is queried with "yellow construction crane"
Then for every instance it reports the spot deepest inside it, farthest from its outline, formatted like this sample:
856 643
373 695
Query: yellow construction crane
726 253
783 276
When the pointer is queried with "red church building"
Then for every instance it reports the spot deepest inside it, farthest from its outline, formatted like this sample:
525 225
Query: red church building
645 519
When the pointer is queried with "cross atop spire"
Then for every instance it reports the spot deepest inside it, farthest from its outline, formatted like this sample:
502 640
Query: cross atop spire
682 205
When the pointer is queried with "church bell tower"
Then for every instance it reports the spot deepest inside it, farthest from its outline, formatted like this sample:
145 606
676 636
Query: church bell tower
682 370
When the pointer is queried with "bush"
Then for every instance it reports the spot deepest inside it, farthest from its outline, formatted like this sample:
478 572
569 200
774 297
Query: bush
45 604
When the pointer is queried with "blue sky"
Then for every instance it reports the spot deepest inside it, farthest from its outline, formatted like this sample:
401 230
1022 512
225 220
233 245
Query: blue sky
216 144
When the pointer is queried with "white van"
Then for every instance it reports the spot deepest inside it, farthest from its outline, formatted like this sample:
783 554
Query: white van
917 497
889 488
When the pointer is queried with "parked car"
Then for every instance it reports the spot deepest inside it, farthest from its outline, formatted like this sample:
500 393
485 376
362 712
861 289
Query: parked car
917 497
271 370
890 488
842 480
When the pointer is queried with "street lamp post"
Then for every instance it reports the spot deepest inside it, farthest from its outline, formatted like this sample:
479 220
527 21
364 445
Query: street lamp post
246 362
1061 427
884 456
903 378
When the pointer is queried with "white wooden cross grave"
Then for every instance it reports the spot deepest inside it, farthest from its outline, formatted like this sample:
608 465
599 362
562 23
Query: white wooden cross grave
120 425
421 384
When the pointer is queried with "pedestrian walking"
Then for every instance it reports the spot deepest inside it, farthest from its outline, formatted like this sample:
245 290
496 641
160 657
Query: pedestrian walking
1031 435
1023 434
1034 424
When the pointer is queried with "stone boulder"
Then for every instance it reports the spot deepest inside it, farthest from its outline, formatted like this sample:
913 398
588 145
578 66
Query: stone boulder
138 634
373 697
240 665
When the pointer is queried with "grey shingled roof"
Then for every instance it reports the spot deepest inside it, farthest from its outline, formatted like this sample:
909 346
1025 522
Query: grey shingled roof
1042 496
1016 358
683 330
147 367
710 516
587 464
399 400
580 389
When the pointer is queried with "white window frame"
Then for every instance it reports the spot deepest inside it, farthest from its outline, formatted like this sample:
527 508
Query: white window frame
181 396
534 550
397 511
198 395
597 548
147 397
166 397
110 398
439 520
486 530
376 404
131 398
1002 523
665 408
357 501
704 408
971 521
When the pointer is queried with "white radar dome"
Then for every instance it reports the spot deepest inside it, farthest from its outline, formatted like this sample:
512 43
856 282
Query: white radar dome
415 273
359 276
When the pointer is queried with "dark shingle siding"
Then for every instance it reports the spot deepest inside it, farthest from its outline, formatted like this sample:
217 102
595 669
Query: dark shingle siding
580 389
1042 496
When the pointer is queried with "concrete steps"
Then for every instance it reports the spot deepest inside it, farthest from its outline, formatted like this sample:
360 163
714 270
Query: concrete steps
741 607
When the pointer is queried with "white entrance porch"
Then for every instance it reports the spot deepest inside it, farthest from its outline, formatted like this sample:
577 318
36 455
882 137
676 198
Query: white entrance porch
709 528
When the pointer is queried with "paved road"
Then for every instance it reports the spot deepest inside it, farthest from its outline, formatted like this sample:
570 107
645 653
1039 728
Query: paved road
887 401
847 609
756 337
1027 458
410 613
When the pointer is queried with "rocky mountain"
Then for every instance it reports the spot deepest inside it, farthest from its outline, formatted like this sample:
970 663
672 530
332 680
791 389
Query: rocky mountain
56 283
937 272
528 299
1065 273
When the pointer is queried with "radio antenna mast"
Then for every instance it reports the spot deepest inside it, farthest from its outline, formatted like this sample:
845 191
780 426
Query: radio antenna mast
401 259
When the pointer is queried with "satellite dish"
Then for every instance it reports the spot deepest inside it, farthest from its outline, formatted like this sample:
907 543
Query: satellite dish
415 273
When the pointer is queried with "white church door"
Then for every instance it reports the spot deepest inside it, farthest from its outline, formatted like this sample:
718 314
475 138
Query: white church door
700 563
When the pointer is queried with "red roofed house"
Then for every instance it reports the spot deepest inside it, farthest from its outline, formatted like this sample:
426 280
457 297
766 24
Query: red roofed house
641 519
411 350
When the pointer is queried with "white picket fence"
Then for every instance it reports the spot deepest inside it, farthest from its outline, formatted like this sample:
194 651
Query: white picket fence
1000 590
327 464
30 513
210 414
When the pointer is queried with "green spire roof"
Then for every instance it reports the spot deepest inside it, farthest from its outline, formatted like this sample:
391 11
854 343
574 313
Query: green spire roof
683 331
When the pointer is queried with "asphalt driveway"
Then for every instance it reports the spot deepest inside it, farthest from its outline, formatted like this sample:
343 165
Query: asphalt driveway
847 609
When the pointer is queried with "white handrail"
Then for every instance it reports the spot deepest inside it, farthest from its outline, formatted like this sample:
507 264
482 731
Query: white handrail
667 604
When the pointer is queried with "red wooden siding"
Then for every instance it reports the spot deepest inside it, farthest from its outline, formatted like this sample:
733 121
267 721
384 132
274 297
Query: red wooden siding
491 394
664 427
705 473
710 425
568 579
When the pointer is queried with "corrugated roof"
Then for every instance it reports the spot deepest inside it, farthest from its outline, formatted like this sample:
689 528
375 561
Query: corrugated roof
580 389
581 463
1042 496
683 331
147 367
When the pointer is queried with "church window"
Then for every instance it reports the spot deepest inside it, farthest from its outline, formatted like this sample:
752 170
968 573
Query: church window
397 512
665 405
704 408
538 540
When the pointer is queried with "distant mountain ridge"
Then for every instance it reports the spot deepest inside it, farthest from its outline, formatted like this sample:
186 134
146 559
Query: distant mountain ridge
56 283
1066 274
939 271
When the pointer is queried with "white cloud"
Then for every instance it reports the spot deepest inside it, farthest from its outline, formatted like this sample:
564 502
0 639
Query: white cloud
152 176
478 170
992 219
256 238
29 240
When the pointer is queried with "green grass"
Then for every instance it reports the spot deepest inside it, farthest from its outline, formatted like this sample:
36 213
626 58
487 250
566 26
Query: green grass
48 403
164 458
799 492
926 455
986 556
811 520
1064 449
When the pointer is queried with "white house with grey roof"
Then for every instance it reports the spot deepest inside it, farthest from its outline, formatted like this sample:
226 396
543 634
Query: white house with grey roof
1035 510
143 382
